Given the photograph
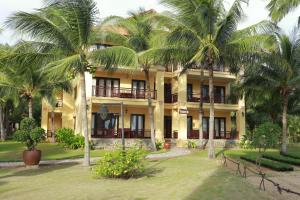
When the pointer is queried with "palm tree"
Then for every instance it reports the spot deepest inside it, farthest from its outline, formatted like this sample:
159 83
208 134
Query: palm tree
142 35
29 78
208 35
279 73
279 8
62 32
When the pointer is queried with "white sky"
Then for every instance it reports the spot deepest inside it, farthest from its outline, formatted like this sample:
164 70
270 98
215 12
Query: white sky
255 12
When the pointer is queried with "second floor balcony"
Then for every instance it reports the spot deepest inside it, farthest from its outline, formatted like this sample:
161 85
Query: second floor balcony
195 97
118 92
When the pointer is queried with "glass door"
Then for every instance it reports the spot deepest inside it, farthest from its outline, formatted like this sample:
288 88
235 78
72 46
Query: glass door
137 125
138 89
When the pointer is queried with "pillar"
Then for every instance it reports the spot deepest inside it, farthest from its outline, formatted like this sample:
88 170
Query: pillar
182 108
241 121
159 106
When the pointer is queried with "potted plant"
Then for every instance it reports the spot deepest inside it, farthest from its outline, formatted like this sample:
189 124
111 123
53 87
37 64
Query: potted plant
167 144
30 135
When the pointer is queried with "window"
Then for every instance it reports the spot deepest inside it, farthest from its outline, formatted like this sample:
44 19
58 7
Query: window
101 127
138 89
107 87
189 92
219 93
137 125
219 126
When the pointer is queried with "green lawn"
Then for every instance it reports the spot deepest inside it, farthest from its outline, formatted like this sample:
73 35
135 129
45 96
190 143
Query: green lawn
12 151
192 177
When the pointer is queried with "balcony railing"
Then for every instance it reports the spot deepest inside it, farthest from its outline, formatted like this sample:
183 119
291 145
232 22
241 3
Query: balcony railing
229 135
218 68
117 92
195 97
112 133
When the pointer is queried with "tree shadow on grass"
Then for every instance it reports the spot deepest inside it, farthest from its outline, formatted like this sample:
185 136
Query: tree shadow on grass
42 169
223 184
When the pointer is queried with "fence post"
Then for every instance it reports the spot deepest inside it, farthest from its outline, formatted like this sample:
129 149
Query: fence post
262 182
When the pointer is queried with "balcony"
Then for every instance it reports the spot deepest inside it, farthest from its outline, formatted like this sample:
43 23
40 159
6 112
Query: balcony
195 97
228 135
129 93
221 68
112 133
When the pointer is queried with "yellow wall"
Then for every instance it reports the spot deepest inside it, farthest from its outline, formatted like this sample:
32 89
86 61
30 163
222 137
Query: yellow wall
71 106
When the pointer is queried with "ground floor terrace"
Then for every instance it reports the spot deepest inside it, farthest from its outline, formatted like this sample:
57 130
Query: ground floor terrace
170 122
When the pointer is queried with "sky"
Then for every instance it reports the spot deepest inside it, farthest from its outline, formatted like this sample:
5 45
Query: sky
255 12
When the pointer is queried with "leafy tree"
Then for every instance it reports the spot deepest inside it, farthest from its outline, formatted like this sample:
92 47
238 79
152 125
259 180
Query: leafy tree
62 32
140 34
278 74
294 129
266 136
279 8
206 34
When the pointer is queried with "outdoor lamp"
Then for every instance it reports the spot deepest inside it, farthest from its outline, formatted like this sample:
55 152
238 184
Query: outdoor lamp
103 112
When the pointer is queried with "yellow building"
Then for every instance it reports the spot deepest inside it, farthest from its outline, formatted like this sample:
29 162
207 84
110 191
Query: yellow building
175 103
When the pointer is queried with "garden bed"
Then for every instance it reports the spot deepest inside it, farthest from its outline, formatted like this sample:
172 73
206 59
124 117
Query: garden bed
281 158
277 166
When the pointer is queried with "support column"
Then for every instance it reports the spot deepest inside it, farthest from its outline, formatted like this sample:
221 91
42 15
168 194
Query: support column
241 121
45 114
159 106
182 108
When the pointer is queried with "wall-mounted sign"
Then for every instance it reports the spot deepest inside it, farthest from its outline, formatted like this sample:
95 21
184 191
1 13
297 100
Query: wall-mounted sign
183 111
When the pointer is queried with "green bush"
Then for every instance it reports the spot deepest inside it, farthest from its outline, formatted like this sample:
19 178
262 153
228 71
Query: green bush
68 138
290 155
192 144
120 164
246 141
277 166
294 129
281 158
159 144
29 133
267 135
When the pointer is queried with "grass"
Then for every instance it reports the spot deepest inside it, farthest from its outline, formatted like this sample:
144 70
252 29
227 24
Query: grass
192 177
272 160
12 151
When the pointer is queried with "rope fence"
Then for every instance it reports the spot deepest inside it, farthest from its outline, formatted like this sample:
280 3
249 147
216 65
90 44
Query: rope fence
262 175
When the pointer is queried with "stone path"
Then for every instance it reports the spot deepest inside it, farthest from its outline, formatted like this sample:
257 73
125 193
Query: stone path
174 152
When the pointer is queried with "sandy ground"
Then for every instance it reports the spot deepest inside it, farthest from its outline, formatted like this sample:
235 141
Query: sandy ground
288 180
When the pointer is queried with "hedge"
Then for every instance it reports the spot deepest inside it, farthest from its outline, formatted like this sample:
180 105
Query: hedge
277 166
284 159
290 155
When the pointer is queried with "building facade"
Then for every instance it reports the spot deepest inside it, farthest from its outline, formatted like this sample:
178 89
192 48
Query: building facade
175 103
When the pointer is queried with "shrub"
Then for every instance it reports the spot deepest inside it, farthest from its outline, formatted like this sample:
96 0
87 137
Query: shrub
120 164
277 166
290 155
246 141
294 129
266 136
68 138
159 144
281 158
29 133
192 144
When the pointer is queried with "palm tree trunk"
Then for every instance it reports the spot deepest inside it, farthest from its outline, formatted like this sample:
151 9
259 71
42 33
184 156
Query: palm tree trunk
211 150
30 107
201 111
2 124
150 109
86 161
284 125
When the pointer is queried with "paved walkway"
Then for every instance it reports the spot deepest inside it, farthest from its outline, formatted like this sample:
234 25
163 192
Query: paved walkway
174 152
